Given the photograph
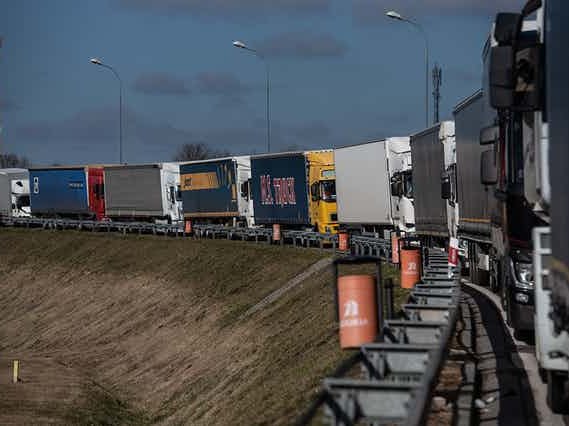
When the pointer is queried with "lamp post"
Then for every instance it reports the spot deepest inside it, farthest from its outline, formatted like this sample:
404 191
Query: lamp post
97 61
241 45
394 15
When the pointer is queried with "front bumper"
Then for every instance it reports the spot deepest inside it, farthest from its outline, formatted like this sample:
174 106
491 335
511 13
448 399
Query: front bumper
522 308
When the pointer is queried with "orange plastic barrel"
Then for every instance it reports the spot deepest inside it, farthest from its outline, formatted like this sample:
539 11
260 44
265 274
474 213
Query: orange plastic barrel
343 241
276 232
410 266
394 248
357 310
188 227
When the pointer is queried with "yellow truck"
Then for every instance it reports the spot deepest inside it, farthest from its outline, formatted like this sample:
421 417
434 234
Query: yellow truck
322 183
296 190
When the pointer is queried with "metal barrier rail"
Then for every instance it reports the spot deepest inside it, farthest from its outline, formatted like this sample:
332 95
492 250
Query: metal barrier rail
370 246
360 245
397 375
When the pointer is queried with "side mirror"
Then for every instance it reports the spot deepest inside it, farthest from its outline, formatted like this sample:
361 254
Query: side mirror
396 190
489 135
314 191
245 189
502 78
446 189
488 169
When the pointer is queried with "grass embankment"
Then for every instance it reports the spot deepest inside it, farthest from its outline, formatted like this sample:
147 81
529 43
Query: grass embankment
128 330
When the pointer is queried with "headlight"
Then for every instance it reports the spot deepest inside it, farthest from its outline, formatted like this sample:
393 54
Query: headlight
524 273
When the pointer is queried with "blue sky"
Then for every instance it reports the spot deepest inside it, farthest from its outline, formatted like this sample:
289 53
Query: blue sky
341 73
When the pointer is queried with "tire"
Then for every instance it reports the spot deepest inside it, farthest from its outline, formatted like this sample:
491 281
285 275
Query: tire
557 392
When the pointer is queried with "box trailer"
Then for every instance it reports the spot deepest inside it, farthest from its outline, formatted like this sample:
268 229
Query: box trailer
217 191
295 189
433 153
146 192
374 186
477 202
14 192
67 191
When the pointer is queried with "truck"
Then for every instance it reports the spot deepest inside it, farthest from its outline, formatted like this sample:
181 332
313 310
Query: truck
527 84
374 186
433 153
67 192
476 201
296 190
14 192
143 192
217 191
507 167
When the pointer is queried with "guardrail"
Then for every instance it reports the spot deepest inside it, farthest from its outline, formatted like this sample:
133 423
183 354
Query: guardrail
359 245
391 381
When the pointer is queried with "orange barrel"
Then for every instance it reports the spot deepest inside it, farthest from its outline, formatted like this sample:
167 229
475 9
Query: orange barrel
453 251
188 226
394 248
410 266
357 306
276 232
343 241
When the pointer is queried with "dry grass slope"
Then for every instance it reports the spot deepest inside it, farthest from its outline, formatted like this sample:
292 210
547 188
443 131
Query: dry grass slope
142 330
131 330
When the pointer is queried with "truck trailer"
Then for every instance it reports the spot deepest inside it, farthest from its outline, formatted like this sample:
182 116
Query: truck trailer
217 191
476 201
14 192
295 189
433 153
374 186
73 192
146 192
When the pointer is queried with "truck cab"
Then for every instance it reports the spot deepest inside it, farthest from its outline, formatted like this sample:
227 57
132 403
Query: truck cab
401 177
509 163
322 184
527 84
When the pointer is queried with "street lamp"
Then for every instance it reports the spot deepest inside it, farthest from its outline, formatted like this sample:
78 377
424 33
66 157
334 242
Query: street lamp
96 61
240 45
394 15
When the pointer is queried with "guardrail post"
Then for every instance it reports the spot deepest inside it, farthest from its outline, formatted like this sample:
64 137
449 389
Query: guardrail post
389 303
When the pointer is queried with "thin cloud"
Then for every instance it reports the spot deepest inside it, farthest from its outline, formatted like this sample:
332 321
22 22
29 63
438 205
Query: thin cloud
219 83
229 9
302 45
8 105
160 83
102 124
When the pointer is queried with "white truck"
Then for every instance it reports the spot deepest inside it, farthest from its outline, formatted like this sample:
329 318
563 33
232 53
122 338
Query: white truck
374 186
14 192
146 192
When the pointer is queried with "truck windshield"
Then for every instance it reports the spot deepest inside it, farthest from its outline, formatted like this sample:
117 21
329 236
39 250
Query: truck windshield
23 201
328 188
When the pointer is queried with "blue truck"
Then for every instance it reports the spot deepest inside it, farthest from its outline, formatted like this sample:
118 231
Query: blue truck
217 191
59 191
279 189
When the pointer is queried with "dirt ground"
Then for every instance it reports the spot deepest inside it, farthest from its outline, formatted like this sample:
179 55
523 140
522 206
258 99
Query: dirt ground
131 330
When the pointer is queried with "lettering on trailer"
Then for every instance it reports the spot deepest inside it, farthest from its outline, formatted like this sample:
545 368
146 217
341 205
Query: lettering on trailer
75 185
197 181
279 191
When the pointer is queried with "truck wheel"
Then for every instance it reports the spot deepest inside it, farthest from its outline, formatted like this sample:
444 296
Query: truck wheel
558 392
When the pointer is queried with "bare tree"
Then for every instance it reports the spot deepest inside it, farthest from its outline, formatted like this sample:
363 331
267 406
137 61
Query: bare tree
198 151
13 160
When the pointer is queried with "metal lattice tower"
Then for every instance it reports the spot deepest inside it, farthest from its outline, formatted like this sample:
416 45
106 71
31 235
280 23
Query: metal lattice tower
437 82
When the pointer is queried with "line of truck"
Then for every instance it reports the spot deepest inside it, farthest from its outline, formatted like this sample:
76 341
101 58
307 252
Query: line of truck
494 178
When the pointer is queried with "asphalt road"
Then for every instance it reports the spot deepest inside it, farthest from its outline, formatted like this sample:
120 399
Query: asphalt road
526 355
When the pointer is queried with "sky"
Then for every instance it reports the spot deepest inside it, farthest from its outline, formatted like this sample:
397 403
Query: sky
340 73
